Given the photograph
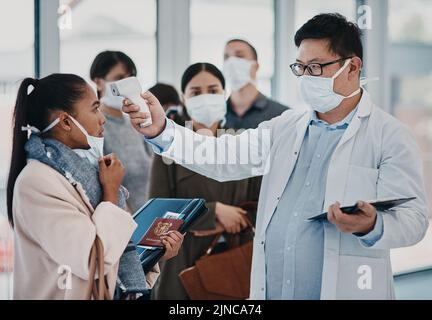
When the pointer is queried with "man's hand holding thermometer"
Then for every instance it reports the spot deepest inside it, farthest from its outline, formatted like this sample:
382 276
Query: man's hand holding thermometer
130 88
155 113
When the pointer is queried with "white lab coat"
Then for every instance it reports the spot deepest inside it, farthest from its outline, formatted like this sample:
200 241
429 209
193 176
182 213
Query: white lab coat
377 157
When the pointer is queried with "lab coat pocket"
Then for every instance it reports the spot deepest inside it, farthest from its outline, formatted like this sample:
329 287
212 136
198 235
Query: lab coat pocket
362 278
361 184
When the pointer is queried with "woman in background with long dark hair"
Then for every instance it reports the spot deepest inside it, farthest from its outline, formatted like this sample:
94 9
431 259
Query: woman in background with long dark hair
203 89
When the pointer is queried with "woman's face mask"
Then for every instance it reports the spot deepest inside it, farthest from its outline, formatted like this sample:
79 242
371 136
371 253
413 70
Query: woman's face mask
207 109
96 143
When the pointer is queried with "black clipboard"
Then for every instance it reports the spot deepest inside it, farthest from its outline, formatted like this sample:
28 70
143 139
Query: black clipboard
190 209
380 205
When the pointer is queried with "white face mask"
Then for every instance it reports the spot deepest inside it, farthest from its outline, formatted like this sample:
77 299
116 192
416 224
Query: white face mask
96 144
207 109
319 94
238 72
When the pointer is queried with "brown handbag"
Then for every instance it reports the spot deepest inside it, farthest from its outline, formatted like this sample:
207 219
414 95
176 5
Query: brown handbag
221 276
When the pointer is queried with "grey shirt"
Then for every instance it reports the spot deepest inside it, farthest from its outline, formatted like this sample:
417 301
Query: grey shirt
134 153
262 109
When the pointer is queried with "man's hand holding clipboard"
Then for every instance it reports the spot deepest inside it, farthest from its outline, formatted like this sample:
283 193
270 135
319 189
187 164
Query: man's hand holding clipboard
359 218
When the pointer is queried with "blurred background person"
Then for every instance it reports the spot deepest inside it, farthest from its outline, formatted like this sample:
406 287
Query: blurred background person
203 89
246 107
169 99
120 138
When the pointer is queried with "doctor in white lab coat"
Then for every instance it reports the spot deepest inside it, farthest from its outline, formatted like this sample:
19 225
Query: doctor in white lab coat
376 157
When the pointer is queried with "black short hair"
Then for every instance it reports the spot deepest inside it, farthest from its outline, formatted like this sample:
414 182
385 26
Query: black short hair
344 36
166 94
106 60
254 51
196 68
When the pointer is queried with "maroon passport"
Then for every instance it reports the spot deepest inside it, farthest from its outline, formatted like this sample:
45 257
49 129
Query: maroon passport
159 227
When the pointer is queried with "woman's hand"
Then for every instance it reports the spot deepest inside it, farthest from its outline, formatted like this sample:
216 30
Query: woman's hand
136 117
232 218
111 174
172 242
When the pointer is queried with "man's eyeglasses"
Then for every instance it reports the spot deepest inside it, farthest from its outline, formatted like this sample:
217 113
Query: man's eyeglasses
314 69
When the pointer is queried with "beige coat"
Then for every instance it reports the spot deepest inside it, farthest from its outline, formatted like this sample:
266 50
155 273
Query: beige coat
55 227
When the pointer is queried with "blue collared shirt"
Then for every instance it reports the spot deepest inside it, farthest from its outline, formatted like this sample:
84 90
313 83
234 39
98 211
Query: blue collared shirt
294 246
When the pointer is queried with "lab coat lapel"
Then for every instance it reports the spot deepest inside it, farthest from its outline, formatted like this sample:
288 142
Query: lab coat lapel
337 176
339 163
284 159
363 110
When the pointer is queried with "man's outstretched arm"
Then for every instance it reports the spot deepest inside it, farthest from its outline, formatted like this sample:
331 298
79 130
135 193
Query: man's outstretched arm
228 157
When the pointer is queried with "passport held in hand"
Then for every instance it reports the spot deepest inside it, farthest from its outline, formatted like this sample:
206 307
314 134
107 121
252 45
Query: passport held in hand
189 210
159 228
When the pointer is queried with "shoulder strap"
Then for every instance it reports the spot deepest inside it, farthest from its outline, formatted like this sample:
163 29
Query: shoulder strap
98 288
172 177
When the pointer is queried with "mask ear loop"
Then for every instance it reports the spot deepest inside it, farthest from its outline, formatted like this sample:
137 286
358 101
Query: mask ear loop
83 130
341 69
33 130
356 92
52 125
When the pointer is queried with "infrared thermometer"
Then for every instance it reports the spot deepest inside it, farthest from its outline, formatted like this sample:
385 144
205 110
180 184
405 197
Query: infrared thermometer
130 88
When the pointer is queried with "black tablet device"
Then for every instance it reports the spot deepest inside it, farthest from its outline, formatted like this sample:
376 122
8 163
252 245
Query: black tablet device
380 205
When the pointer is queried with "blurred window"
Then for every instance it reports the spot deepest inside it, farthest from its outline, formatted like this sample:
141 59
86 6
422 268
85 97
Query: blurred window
213 23
16 63
99 25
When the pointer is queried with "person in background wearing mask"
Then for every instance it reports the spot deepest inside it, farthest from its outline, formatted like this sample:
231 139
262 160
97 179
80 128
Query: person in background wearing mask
170 100
120 138
65 199
203 88
344 150
247 107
